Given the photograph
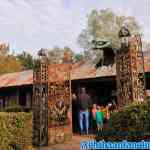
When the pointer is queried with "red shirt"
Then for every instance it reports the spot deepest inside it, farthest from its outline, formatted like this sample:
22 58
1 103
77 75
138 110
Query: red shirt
94 110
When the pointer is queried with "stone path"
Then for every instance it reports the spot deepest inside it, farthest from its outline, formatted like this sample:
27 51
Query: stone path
74 144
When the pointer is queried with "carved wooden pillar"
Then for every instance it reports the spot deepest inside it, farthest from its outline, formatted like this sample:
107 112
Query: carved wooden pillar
40 103
130 70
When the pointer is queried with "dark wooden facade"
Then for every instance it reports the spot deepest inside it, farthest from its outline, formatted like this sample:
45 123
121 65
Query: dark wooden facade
20 96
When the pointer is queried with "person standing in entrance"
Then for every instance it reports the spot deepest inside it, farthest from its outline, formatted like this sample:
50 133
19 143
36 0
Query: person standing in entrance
85 104
99 119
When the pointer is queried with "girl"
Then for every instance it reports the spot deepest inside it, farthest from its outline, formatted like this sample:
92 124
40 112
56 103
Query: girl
94 110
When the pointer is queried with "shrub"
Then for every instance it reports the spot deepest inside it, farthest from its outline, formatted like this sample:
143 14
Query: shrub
132 122
16 109
15 130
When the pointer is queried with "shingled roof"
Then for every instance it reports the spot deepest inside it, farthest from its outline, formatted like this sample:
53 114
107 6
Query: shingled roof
16 79
82 70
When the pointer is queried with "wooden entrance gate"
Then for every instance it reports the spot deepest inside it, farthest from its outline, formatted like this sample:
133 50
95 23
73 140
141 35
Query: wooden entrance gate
52 116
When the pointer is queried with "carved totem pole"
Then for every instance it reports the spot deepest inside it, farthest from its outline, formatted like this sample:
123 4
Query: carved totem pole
130 68
52 118
40 101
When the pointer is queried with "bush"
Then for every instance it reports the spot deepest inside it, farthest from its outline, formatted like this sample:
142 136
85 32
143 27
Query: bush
132 122
16 109
15 130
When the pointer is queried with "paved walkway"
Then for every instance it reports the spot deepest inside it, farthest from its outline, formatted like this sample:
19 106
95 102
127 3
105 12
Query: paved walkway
74 144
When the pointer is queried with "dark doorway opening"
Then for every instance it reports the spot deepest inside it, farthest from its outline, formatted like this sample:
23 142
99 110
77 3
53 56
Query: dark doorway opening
101 90
22 97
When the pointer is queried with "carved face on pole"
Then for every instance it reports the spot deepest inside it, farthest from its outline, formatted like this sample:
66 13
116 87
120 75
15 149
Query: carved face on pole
124 35
60 103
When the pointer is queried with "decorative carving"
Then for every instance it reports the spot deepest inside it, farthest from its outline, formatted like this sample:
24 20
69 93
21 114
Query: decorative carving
59 104
130 71
40 105
51 102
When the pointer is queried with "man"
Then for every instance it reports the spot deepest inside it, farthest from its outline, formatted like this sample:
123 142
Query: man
84 105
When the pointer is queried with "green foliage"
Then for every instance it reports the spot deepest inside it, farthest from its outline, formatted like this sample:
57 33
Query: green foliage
105 25
56 55
26 60
13 128
78 57
16 109
132 119
8 62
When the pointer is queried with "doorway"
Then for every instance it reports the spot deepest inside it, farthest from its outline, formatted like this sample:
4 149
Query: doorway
22 97
101 91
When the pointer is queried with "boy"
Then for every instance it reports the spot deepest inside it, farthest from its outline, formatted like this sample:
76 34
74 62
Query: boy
99 119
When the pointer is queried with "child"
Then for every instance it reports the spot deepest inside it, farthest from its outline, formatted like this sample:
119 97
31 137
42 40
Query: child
94 110
99 119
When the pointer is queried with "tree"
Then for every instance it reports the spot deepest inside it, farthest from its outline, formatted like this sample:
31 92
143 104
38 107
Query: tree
78 57
105 25
56 55
68 54
4 49
26 60
8 62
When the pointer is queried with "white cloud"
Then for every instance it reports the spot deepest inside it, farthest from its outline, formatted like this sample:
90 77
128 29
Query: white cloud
32 24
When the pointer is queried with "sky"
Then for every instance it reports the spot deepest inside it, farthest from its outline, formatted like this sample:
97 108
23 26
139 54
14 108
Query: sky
33 24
